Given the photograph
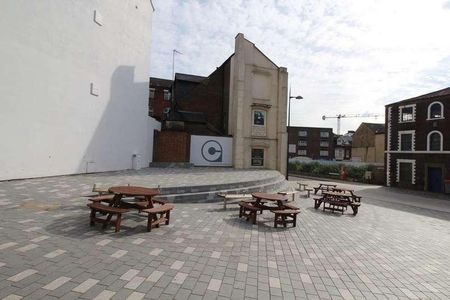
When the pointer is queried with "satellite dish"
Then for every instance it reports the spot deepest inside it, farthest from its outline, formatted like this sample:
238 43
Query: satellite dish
323 118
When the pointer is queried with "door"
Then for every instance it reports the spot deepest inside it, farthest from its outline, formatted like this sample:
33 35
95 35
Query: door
435 179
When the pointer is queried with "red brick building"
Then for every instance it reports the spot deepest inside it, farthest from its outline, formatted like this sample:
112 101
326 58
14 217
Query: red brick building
160 97
313 142
418 142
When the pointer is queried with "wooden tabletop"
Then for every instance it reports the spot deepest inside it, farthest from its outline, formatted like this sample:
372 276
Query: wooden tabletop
270 197
327 184
343 189
134 191
337 194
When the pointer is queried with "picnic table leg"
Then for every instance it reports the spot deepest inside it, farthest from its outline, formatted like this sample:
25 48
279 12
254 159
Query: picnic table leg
355 210
108 219
224 203
92 217
118 221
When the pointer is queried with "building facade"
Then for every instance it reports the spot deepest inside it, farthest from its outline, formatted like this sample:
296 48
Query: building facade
312 142
343 146
245 98
74 87
418 142
160 97
368 143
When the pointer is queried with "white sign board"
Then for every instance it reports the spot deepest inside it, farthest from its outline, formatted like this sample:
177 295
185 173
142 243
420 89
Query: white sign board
211 150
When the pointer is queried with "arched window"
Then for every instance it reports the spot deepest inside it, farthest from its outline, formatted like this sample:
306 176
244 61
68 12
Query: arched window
435 141
435 110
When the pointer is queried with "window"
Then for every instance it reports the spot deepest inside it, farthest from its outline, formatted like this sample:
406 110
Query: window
257 157
405 170
167 95
302 152
303 133
152 93
324 134
323 152
323 144
435 111
259 117
303 143
435 141
406 142
407 113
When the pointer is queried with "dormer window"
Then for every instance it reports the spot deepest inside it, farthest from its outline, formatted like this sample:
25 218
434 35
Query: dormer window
435 111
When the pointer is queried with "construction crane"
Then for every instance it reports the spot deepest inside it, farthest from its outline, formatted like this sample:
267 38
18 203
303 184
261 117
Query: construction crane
340 116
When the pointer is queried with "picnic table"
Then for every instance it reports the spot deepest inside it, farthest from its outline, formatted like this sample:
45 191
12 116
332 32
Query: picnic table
349 191
337 201
139 194
324 187
301 186
284 213
120 203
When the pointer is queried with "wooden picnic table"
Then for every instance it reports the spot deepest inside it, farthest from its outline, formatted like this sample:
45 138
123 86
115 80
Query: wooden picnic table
301 186
324 187
134 191
277 198
337 201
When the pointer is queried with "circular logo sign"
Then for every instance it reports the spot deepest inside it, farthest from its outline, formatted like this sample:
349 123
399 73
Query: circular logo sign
212 151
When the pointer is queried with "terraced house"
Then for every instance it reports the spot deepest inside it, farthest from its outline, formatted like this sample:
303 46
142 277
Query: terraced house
418 142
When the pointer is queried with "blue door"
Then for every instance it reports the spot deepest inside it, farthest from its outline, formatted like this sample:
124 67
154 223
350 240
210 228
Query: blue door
435 180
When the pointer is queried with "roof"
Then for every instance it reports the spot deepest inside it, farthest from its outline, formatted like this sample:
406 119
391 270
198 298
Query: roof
189 77
160 82
375 127
439 93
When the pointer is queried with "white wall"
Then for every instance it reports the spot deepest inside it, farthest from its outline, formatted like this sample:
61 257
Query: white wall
50 53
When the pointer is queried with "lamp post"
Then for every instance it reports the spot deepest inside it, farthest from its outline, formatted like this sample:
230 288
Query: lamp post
289 125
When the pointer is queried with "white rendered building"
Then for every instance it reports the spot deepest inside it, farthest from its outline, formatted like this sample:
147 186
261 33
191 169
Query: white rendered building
74 86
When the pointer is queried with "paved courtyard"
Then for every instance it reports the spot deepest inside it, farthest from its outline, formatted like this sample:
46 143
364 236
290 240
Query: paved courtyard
390 250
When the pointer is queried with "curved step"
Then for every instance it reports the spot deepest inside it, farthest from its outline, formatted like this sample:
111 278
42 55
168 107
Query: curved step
276 184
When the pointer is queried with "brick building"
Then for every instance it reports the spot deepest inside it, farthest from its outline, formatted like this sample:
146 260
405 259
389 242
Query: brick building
368 143
343 146
160 97
418 142
243 101
313 142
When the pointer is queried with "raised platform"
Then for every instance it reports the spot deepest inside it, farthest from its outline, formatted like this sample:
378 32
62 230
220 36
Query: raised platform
177 184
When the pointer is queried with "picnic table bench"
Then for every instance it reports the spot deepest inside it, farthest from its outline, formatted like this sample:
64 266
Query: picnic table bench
105 209
227 197
336 201
324 187
154 220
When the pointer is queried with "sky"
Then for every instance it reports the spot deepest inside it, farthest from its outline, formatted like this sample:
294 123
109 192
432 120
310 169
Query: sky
343 57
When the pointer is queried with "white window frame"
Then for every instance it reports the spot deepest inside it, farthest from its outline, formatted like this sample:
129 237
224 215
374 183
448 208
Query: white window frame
413 169
324 132
303 133
167 92
413 139
441 148
302 152
323 151
400 109
303 143
152 93
429 111
322 144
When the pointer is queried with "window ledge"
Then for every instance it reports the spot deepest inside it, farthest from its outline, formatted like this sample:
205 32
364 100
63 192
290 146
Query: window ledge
433 119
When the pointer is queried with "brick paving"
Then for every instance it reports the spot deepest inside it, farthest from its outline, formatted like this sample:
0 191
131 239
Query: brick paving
48 250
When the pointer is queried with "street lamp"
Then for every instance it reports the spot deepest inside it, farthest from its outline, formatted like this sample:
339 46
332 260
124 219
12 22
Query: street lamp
289 125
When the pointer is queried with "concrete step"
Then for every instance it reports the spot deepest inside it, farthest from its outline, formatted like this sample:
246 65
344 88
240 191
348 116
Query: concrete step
273 185
218 187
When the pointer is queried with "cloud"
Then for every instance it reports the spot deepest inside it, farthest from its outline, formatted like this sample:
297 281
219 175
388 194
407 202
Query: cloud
342 56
